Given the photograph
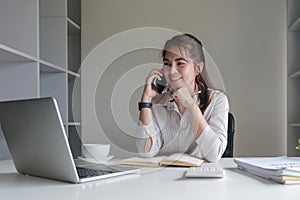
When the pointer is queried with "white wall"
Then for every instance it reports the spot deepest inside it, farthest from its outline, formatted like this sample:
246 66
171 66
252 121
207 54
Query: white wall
246 39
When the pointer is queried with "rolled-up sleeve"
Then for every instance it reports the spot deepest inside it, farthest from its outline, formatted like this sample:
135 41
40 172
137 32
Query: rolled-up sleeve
213 139
143 133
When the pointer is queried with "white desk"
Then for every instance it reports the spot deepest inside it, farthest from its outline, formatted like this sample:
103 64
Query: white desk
164 183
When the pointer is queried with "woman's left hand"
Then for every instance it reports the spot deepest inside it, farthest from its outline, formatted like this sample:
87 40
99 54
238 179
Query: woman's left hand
184 97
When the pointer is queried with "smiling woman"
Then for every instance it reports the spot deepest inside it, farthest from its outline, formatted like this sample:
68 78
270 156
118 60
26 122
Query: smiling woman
195 122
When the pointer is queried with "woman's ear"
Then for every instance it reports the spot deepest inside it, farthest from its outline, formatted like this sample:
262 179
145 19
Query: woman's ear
200 67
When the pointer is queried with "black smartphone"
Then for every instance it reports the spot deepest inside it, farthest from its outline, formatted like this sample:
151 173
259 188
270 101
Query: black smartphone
160 84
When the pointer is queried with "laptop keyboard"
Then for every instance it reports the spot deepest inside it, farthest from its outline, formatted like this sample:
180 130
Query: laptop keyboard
85 173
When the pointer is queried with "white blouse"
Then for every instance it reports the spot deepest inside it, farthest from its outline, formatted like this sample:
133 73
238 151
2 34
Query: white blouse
172 131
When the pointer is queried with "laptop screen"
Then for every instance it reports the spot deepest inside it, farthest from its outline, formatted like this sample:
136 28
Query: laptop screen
36 138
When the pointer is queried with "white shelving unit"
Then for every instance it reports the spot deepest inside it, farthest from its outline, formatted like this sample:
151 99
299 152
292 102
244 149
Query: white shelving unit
40 56
293 71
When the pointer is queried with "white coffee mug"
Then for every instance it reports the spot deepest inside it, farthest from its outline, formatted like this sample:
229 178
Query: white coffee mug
95 150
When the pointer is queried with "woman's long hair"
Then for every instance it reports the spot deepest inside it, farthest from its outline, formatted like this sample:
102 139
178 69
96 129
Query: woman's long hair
192 48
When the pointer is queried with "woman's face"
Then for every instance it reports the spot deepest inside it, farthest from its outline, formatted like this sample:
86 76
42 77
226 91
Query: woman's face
178 70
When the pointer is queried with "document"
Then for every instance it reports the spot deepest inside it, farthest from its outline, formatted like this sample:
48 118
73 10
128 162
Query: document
282 169
176 159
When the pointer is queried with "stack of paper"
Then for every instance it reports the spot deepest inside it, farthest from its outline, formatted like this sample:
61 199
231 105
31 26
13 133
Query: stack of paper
285 170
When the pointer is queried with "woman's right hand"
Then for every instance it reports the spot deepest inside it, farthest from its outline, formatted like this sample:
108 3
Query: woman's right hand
150 90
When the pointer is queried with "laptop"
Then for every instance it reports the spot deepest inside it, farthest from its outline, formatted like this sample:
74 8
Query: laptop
38 143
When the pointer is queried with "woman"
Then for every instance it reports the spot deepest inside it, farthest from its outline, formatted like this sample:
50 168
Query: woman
188 116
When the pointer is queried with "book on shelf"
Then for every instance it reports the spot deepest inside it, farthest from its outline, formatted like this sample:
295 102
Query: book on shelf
282 169
176 159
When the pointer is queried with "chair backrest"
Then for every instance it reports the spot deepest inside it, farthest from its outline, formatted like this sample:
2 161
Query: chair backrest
230 136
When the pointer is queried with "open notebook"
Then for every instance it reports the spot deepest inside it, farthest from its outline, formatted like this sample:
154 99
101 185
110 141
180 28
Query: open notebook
176 159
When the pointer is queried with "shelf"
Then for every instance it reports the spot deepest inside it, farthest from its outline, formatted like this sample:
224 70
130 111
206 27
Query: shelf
10 54
293 78
295 74
73 124
73 28
40 56
75 75
74 10
294 124
295 27
50 68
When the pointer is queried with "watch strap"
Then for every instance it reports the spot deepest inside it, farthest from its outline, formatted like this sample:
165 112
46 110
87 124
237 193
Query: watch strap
144 105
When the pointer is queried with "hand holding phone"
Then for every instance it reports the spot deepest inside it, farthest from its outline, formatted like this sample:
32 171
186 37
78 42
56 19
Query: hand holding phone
153 85
160 84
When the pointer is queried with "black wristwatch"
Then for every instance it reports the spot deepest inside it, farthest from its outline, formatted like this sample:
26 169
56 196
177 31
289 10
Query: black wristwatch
144 105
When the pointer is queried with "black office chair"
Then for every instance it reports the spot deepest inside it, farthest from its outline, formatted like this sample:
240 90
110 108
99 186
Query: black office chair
229 148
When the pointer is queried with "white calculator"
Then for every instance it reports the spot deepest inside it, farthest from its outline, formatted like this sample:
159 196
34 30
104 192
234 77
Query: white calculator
207 170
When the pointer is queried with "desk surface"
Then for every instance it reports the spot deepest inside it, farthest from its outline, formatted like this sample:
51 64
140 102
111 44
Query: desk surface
163 183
